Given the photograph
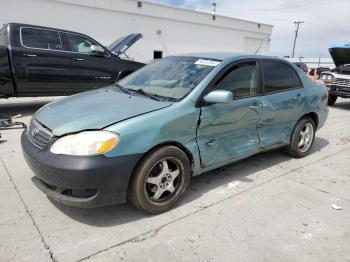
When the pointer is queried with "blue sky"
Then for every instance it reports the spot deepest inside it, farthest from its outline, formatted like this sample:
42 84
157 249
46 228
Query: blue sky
326 21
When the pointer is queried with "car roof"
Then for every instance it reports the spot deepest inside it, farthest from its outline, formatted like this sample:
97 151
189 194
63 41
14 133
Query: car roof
227 55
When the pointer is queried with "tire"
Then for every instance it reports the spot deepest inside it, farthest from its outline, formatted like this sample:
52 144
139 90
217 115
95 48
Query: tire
331 100
296 148
160 180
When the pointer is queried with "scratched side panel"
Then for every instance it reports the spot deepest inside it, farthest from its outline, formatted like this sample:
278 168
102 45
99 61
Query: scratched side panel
174 124
317 100
228 131
280 113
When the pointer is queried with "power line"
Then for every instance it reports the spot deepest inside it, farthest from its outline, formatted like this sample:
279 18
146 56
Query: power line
297 23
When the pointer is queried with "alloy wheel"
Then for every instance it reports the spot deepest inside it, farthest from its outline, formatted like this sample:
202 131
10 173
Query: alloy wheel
163 180
306 137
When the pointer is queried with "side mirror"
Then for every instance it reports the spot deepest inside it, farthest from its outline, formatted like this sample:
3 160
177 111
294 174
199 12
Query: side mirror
218 96
97 50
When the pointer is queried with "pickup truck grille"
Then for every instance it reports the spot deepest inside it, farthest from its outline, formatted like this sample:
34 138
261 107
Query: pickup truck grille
38 135
341 82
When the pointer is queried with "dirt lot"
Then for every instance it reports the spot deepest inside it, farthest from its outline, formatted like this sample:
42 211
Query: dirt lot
269 207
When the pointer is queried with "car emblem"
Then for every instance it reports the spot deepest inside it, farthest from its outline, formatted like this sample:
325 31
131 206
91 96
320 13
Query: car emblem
35 131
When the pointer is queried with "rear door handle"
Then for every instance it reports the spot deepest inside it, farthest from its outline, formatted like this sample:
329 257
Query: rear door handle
30 55
78 59
298 97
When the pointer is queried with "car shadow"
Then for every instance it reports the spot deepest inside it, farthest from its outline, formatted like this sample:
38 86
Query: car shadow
24 107
343 104
200 185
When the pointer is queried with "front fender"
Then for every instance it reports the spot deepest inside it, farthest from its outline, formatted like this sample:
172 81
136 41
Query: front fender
174 124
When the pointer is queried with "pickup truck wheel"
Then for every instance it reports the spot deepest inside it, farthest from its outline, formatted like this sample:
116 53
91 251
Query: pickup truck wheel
302 138
331 100
159 180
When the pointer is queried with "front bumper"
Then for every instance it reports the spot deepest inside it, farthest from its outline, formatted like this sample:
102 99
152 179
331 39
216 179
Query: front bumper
79 181
340 91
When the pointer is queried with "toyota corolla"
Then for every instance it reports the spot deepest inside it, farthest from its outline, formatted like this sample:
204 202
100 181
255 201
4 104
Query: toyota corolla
143 138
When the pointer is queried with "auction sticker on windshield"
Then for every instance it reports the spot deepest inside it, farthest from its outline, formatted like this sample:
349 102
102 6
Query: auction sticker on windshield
207 62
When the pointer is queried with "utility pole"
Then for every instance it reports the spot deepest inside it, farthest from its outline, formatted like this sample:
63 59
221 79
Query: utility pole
297 23
214 10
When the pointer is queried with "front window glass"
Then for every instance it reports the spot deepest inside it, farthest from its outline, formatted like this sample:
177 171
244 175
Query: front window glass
241 80
76 43
40 38
172 77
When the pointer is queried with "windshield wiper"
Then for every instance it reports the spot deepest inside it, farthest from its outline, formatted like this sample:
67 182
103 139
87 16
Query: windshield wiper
152 96
124 89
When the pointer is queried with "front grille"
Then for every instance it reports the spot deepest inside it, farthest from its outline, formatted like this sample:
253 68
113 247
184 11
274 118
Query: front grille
38 135
341 82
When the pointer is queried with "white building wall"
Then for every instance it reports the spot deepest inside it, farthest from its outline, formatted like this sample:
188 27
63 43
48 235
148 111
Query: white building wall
168 29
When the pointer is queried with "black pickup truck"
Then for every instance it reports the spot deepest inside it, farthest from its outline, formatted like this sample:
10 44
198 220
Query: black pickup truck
41 61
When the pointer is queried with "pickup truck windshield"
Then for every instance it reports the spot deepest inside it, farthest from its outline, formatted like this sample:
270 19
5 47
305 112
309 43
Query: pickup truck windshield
172 77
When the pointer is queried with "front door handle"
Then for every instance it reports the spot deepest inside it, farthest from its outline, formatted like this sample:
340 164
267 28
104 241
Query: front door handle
78 59
254 108
30 55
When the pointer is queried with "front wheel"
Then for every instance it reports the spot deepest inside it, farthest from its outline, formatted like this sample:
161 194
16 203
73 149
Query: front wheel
331 100
159 180
302 138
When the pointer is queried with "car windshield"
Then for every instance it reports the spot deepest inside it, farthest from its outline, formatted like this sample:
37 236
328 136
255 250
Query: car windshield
171 77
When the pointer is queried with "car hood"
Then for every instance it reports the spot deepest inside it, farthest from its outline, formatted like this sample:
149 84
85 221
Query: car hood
124 43
340 54
94 110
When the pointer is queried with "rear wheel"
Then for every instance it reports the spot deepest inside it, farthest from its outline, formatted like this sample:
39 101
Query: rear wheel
302 138
331 100
159 180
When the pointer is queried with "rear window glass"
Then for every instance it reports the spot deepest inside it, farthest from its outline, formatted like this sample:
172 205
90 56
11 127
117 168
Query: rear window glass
40 38
279 77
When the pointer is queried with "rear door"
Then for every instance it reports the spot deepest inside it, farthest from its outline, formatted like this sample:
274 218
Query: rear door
88 70
229 131
283 102
39 63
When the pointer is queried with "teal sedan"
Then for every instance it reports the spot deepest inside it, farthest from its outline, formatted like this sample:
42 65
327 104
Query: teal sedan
143 138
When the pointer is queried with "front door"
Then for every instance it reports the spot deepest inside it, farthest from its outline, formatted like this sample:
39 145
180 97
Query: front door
88 70
228 132
40 65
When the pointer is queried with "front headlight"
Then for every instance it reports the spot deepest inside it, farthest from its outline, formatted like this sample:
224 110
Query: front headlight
86 143
324 77
330 77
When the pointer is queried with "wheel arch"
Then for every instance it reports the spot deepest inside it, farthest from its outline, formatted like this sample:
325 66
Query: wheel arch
164 144
172 143
313 116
